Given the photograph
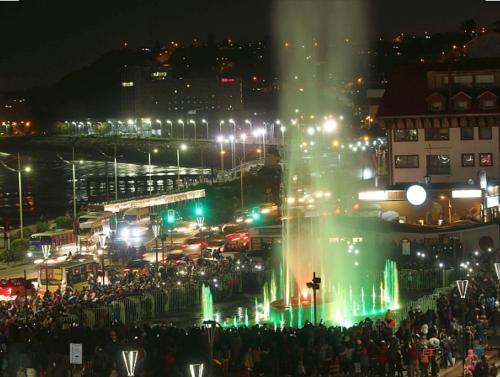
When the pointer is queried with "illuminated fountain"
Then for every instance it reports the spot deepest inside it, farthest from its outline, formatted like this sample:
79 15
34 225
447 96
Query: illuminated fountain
317 60
207 303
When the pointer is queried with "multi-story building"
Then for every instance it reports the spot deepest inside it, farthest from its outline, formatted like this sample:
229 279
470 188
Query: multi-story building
443 121
152 92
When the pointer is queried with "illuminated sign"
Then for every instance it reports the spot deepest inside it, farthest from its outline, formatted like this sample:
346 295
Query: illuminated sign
492 201
464 194
127 84
373 195
226 80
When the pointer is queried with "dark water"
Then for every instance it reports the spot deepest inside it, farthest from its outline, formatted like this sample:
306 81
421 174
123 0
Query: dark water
47 189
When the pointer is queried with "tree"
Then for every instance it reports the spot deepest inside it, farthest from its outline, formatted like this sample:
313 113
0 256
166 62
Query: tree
469 26
18 248
63 222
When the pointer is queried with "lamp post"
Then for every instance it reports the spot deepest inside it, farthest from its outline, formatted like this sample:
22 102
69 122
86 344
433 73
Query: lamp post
220 126
462 286
156 232
231 139
314 285
220 140
46 255
210 327
196 370
182 147
193 122
181 122
204 121
231 121
243 145
130 361
27 169
444 197
158 121
282 129
168 121
102 244
163 238
249 122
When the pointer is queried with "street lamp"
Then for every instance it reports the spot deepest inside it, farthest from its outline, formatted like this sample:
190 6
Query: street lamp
27 169
180 121
196 370
283 129
46 255
182 147
462 286
234 125
210 327
233 161
168 121
204 121
443 197
249 122
243 145
220 125
497 270
156 232
130 360
191 121
102 244
314 285
158 121
220 140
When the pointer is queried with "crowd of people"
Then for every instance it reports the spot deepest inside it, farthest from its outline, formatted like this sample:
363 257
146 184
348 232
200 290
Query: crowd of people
34 342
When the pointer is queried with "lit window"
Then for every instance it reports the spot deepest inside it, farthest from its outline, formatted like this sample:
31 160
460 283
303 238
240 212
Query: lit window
468 159
159 74
485 159
461 105
406 161
462 80
485 133
437 134
405 135
127 84
485 79
436 106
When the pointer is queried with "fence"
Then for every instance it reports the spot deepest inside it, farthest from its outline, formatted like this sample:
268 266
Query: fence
149 305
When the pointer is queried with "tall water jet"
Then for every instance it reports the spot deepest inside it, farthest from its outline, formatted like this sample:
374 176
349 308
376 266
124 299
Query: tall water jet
317 41
207 303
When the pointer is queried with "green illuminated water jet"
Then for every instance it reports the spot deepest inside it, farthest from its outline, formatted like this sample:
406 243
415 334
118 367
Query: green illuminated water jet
207 303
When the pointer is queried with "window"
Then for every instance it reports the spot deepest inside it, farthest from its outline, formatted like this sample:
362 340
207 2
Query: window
127 84
436 106
438 164
485 79
461 104
468 160
485 159
406 161
488 104
463 80
405 135
467 133
485 133
437 134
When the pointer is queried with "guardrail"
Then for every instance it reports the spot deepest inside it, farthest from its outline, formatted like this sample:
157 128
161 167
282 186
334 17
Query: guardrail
154 304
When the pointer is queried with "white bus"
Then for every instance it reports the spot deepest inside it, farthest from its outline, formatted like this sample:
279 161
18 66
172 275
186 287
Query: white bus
136 215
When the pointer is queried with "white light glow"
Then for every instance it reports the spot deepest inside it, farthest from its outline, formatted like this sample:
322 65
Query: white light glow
373 195
466 194
416 195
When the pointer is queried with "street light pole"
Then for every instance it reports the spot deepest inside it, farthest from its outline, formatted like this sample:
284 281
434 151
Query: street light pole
206 125
462 286
314 285
156 232
20 194
46 254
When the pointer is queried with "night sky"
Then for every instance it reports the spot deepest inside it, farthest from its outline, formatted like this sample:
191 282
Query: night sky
42 40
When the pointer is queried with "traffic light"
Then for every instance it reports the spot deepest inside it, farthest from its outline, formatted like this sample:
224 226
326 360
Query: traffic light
198 211
256 213
168 217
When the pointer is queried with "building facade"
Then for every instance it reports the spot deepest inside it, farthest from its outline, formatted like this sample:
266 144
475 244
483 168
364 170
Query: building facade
443 122
152 92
